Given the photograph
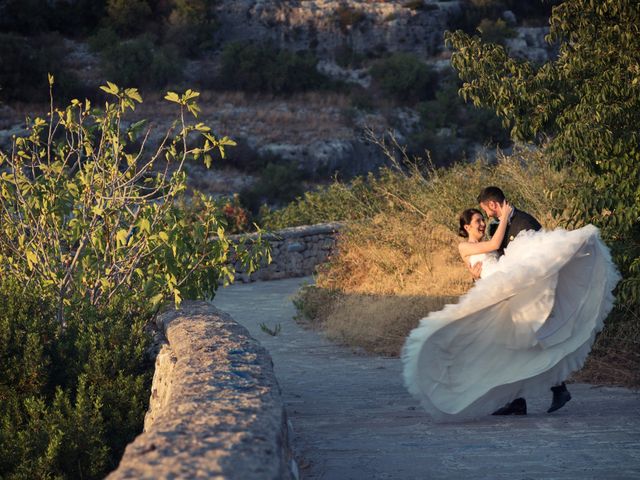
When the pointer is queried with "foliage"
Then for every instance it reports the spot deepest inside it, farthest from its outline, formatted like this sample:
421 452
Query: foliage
85 215
278 183
495 31
264 68
192 24
335 202
449 127
128 16
138 61
414 4
346 57
70 399
24 63
405 77
31 17
587 101
472 12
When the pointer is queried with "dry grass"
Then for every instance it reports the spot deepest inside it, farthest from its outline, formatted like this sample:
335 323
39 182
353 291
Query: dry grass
397 265
396 255
615 357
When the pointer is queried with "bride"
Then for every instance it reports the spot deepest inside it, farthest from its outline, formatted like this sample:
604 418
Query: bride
528 322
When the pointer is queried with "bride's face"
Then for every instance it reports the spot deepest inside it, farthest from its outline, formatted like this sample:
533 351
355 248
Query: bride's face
476 227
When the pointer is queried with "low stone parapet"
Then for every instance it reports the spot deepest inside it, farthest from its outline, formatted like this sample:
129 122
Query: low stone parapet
215 408
295 251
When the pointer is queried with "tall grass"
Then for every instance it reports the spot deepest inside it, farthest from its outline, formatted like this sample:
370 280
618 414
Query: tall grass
397 257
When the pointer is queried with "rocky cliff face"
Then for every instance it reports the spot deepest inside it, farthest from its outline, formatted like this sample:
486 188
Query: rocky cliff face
323 26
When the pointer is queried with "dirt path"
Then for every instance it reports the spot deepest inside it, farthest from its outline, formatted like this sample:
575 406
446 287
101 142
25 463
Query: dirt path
353 419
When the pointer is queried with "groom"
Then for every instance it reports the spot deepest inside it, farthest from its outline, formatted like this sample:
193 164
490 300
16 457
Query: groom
491 200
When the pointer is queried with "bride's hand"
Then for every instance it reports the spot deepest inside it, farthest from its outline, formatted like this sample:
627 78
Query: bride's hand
505 211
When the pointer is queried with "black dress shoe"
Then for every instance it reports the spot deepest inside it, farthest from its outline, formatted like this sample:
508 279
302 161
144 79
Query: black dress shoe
517 407
560 396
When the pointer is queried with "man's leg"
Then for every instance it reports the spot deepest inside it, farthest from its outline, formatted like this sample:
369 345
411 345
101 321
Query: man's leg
560 396
516 407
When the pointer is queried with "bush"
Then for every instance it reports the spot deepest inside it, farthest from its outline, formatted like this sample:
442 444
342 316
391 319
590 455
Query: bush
192 25
85 220
277 184
405 77
495 31
31 17
346 57
70 399
265 68
449 127
128 16
24 64
139 61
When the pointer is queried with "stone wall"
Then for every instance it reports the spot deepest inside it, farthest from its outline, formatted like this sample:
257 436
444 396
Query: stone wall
296 251
215 408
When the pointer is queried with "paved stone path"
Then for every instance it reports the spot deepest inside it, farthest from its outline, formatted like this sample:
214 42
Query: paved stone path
353 419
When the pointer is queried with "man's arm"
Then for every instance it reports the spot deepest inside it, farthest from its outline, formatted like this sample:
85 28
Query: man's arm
475 271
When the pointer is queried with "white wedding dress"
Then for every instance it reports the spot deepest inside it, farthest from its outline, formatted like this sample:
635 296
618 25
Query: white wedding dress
526 324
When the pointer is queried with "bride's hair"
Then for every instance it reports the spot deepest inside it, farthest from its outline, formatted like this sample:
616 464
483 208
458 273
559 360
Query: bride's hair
465 219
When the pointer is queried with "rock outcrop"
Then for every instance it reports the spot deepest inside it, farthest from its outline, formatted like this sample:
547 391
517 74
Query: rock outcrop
326 25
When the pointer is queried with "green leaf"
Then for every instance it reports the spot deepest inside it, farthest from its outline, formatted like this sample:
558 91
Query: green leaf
121 236
111 88
172 97
144 225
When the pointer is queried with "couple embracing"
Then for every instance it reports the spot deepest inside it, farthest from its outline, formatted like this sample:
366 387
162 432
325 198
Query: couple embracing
529 321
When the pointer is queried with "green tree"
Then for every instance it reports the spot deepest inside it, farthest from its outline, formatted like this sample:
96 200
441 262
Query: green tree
587 101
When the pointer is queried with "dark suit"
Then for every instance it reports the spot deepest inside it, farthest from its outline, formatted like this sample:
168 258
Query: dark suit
519 221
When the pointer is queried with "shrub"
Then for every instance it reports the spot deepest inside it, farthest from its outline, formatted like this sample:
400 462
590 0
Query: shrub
139 61
24 63
93 240
495 31
448 127
128 16
277 184
31 17
265 68
70 399
346 57
86 216
405 77
192 25
414 4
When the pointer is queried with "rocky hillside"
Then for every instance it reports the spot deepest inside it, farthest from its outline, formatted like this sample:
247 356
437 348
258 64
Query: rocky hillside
320 132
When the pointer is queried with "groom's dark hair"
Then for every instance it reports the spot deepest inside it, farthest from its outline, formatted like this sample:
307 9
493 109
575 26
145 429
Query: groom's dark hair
491 194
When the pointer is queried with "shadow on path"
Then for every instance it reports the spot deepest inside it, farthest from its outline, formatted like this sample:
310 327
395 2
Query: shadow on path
353 419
